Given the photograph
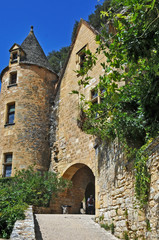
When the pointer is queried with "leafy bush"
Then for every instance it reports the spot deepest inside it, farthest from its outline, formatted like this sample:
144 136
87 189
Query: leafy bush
28 187
105 226
112 228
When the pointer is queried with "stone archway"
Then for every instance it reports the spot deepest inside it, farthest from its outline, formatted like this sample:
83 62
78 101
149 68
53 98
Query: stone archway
82 178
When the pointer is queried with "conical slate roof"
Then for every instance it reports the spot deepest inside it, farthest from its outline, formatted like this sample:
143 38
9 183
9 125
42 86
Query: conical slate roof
34 53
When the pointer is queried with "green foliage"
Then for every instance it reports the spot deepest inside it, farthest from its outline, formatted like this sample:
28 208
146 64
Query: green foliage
112 228
105 226
126 236
108 227
142 176
101 218
126 213
129 107
148 227
135 237
116 210
26 188
57 59
95 19
74 30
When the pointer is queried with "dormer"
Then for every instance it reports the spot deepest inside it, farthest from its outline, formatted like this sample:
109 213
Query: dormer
16 54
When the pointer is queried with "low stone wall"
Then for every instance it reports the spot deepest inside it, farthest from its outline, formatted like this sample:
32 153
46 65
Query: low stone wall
117 204
24 229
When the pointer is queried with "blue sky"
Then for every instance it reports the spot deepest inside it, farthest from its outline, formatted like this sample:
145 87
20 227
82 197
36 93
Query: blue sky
52 20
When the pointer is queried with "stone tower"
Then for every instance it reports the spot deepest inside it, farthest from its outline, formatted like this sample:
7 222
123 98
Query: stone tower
28 86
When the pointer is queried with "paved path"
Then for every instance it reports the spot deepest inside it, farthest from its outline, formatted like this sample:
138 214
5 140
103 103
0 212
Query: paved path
69 227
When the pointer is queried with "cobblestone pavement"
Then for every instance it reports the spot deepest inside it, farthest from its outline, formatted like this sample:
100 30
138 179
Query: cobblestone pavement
69 227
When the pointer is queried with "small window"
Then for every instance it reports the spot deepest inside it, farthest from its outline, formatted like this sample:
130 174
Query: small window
7 165
13 78
14 56
11 113
81 56
94 94
82 59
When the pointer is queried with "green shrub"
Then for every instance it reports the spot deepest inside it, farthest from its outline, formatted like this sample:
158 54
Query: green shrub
105 226
148 227
28 187
108 227
101 218
112 228
126 236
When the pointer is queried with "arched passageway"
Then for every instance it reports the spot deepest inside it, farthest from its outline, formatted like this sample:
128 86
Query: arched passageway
83 184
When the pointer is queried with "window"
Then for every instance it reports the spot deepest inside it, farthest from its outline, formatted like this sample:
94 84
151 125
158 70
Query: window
97 97
94 95
14 57
10 113
7 164
13 78
82 59
81 55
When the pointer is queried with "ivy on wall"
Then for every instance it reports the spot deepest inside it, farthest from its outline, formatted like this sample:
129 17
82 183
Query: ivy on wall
128 85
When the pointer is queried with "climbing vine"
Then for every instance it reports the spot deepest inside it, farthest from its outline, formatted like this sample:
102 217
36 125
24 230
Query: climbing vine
142 177
128 85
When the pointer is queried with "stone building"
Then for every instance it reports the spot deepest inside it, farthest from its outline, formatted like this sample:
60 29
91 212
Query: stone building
38 124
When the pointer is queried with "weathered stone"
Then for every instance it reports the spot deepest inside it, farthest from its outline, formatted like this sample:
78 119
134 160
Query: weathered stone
24 229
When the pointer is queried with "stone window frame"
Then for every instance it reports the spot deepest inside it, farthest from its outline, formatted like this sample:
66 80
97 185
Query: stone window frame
11 83
80 55
6 163
9 113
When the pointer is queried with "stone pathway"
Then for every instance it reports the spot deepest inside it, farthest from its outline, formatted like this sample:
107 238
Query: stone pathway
69 227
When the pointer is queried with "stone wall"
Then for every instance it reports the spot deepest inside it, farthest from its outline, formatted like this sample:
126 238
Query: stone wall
116 196
24 229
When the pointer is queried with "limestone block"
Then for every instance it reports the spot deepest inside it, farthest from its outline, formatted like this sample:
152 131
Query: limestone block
134 227
107 216
112 213
156 197
119 200
121 223
141 216
120 212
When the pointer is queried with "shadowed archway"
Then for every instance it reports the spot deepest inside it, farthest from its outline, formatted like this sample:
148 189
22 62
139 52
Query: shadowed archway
83 183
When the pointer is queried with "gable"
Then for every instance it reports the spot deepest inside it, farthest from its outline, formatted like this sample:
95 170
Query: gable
14 47
85 37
